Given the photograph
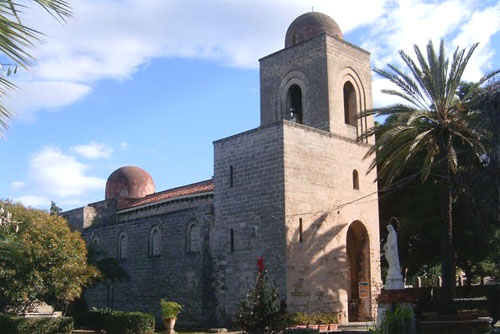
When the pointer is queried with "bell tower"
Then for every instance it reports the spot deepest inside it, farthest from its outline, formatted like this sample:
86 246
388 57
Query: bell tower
295 190
318 79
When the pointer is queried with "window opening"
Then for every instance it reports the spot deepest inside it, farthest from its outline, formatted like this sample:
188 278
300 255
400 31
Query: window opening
155 242
194 238
232 240
300 230
355 179
295 103
349 104
231 176
122 247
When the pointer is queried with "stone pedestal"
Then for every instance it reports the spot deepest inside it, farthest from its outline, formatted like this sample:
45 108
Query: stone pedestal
389 299
394 282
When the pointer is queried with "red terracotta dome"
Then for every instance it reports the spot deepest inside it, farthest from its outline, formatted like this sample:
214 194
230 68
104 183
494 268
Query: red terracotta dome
129 181
308 25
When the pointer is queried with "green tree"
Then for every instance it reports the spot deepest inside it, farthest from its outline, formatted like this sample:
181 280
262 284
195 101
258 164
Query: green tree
430 124
54 267
54 209
17 40
261 311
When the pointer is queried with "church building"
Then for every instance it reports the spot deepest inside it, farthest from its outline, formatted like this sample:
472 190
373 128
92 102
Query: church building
294 191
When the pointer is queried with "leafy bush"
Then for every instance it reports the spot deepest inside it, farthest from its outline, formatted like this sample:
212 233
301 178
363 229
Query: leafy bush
21 325
301 318
170 310
118 322
397 321
54 265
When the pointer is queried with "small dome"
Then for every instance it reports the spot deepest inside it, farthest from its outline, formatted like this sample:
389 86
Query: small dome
308 25
129 181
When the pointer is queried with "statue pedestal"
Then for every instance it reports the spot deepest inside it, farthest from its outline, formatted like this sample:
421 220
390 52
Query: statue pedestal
394 282
390 298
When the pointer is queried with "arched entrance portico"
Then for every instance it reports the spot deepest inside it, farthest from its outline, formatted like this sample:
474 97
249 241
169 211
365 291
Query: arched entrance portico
358 271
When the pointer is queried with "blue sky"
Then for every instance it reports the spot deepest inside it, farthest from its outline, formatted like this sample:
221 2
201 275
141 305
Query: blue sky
153 83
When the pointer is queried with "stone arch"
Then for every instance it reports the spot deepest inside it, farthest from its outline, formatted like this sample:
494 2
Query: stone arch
122 248
154 248
193 236
292 78
348 74
355 179
358 271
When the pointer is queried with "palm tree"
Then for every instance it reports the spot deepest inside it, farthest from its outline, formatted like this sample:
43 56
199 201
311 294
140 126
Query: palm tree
16 39
431 126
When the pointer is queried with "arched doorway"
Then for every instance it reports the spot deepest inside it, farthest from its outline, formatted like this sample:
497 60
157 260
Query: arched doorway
358 271
294 103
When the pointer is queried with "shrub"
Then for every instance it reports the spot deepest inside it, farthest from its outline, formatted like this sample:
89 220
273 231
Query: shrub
21 325
118 322
170 310
301 318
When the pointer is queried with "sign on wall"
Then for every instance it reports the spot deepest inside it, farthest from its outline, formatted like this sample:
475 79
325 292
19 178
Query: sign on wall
364 290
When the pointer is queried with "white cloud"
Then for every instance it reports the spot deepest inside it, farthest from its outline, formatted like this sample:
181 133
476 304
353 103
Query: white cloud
54 173
43 95
93 150
415 22
112 39
124 146
480 28
17 184
34 201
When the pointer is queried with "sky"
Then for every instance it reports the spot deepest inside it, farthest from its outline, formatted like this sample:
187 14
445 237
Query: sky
152 83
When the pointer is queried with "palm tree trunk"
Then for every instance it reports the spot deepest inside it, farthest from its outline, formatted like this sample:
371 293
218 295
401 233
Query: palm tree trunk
447 256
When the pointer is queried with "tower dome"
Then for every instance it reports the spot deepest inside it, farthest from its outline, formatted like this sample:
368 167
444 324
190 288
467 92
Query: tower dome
308 25
129 181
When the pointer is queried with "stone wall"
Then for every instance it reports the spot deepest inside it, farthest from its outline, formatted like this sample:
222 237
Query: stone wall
305 65
251 206
176 274
319 194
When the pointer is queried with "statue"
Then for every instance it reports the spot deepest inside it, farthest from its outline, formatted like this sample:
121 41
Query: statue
394 280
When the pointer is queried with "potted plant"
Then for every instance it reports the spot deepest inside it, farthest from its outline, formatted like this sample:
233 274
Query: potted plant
169 311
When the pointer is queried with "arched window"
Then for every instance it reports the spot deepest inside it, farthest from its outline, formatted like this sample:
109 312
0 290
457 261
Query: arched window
155 241
294 103
350 110
122 246
193 237
355 179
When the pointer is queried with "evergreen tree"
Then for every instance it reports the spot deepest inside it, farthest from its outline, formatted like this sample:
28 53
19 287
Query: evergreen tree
262 312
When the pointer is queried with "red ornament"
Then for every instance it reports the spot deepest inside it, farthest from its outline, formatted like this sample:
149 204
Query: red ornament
260 264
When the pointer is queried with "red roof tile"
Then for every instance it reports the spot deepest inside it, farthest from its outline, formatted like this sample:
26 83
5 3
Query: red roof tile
190 189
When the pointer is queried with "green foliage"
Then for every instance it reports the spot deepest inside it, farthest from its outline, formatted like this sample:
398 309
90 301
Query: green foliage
397 321
431 130
21 325
301 318
54 267
261 312
118 322
54 209
170 310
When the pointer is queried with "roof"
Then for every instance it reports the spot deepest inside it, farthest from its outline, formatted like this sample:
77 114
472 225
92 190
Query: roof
172 194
